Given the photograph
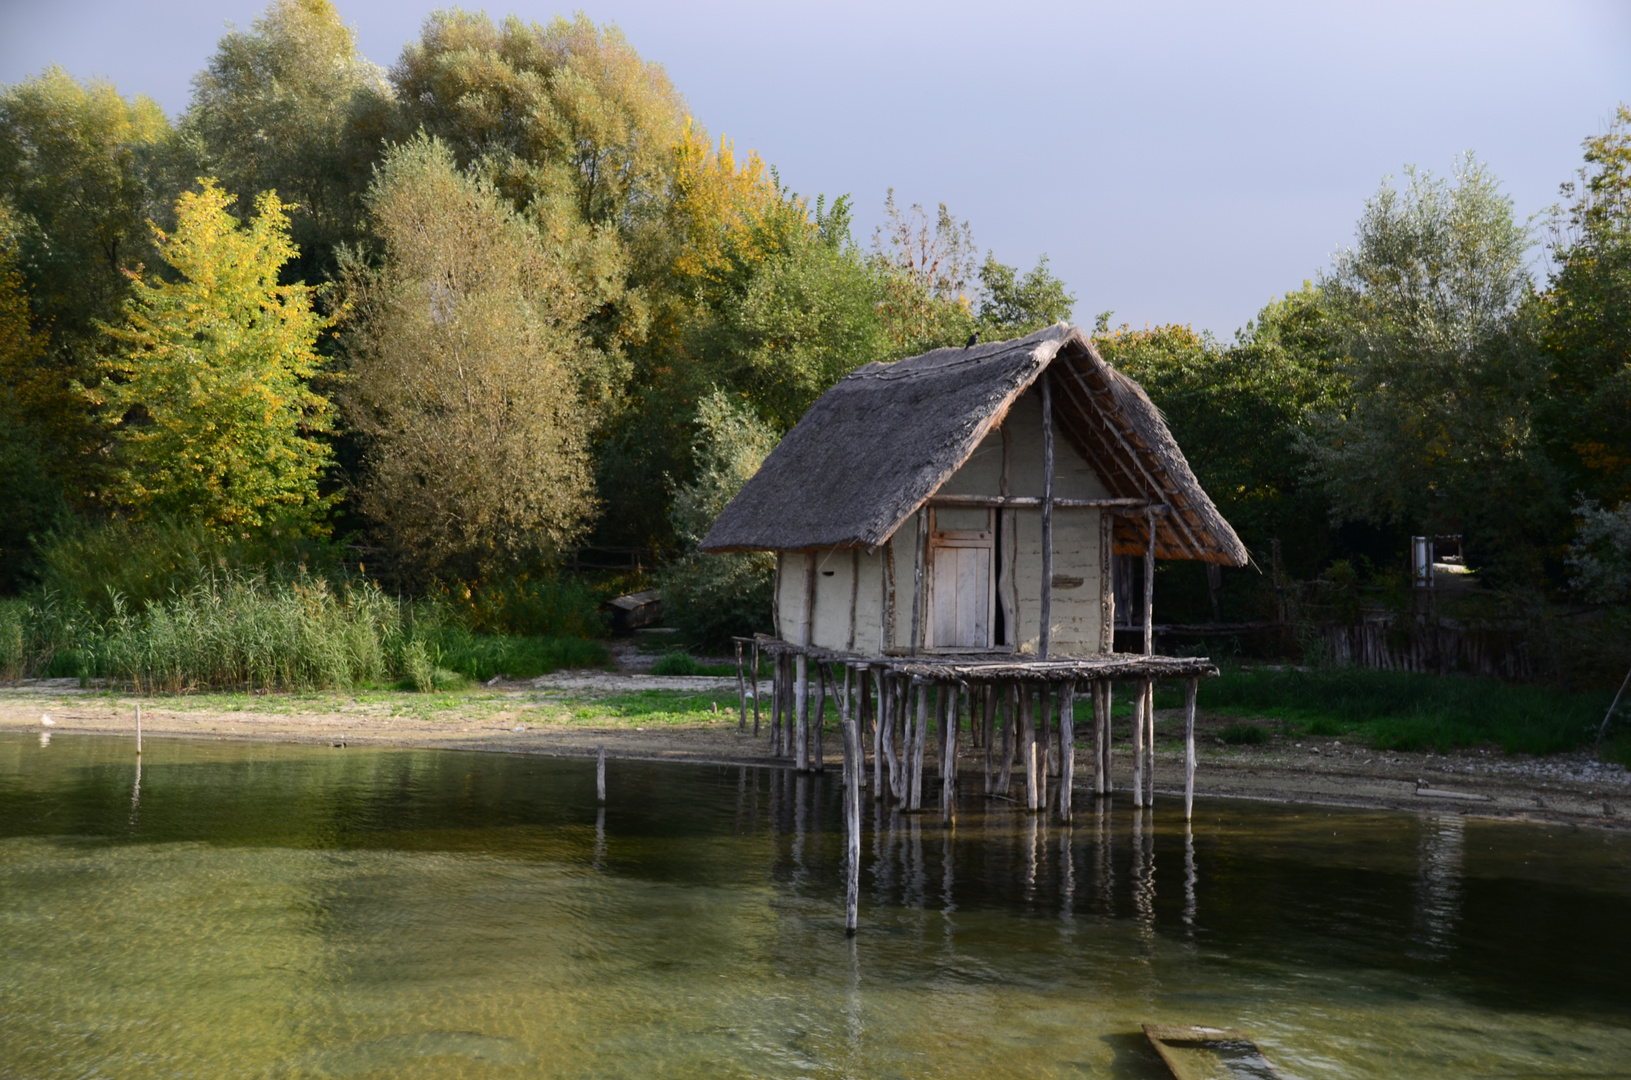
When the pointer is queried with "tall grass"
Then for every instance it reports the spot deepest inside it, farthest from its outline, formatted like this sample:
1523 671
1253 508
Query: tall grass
245 631
1403 711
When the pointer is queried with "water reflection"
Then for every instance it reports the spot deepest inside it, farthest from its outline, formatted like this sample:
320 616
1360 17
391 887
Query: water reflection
290 911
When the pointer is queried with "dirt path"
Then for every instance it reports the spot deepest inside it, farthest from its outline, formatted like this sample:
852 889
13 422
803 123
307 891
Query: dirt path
573 714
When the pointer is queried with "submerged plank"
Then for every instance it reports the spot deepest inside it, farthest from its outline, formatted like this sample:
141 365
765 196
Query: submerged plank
1209 1053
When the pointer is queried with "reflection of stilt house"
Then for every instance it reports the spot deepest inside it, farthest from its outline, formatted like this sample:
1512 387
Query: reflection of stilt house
947 530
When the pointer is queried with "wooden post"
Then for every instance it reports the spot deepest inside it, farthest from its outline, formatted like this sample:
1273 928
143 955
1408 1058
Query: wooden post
1027 724
1107 582
1149 742
1005 570
775 705
801 674
138 729
863 715
1039 728
945 698
1010 718
1189 747
755 689
1149 590
990 724
1045 614
818 761
914 799
600 774
1138 747
741 693
917 576
1067 746
1109 736
948 758
854 766
880 734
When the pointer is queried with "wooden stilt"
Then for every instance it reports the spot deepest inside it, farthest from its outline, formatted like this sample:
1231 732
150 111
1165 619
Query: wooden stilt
1109 737
801 713
138 729
778 684
854 769
990 721
1039 724
1189 747
1010 721
881 728
1149 742
920 730
948 758
741 693
1067 747
1027 725
1138 747
1098 737
818 762
600 774
863 716
755 689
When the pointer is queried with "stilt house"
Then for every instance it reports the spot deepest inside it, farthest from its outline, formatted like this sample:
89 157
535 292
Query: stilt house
947 531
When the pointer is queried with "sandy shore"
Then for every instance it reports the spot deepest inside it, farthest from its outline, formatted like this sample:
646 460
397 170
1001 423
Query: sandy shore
558 715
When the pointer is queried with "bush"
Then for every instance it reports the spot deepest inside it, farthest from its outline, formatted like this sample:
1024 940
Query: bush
676 663
545 605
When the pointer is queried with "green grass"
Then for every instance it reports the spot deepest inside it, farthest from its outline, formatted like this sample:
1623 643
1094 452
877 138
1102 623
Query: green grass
657 707
681 663
1402 711
1238 734
482 656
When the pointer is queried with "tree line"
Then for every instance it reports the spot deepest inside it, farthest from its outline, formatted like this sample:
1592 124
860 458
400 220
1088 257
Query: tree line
458 316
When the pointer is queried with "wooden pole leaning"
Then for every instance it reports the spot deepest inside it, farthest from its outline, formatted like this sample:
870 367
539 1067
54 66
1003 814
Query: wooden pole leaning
1138 747
1189 747
1067 747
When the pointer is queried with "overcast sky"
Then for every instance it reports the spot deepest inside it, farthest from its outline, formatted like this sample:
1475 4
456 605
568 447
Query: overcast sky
1178 162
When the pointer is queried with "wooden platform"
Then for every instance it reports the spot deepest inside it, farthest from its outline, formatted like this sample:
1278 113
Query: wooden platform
980 668
1209 1053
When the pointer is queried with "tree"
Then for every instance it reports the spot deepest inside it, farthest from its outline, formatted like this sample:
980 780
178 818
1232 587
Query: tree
208 397
32 494
927 273
291 106
82 170
463 378
715 596
1586 319
1014 305
1438 432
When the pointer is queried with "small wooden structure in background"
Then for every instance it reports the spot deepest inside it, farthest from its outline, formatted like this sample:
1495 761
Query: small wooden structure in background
944 529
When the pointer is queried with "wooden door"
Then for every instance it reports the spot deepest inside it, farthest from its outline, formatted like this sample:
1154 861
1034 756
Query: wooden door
961 589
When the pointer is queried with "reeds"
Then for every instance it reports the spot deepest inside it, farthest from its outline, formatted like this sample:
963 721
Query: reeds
233 630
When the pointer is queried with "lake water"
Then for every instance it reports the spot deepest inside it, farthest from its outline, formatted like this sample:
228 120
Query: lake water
258 910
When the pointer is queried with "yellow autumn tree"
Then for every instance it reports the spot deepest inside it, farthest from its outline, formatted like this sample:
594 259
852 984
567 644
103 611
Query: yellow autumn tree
208 395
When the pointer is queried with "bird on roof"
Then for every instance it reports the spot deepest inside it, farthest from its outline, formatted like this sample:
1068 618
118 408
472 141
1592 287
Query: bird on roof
973 339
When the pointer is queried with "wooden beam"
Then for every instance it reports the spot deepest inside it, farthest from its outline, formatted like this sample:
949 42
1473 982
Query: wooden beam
1033 502
1149 593
1045 615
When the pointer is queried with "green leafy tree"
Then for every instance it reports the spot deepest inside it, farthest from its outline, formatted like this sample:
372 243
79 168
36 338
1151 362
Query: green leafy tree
1438 431
1586 319
1013 304
82 171
291 106
715 596
463 380
208 397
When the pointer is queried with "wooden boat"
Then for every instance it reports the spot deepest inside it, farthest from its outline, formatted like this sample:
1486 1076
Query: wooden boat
1209 1053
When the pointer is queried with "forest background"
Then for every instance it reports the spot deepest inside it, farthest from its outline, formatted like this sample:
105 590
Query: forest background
341 334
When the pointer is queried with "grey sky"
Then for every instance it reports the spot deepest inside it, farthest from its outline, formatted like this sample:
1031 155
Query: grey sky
1179 162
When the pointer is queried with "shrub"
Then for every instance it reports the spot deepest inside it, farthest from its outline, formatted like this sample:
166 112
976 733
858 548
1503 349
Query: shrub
676 663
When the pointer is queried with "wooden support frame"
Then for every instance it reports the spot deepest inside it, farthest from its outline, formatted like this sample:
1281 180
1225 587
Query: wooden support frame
1045 615
1067 747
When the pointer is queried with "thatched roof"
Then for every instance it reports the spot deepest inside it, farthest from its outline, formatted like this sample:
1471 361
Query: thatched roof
873 448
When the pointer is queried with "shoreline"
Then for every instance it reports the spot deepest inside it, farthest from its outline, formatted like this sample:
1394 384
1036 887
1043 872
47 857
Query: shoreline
535 718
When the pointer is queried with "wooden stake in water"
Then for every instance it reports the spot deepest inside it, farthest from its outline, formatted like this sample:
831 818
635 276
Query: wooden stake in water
600 775
1189 747
138 728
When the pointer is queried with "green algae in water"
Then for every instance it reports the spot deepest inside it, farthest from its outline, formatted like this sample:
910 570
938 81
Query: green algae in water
258 910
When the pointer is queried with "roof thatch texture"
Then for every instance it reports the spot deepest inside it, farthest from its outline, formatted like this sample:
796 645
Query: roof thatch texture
873 448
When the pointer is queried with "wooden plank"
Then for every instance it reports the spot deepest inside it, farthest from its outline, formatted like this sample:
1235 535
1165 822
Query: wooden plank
1208 1053
1032 502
